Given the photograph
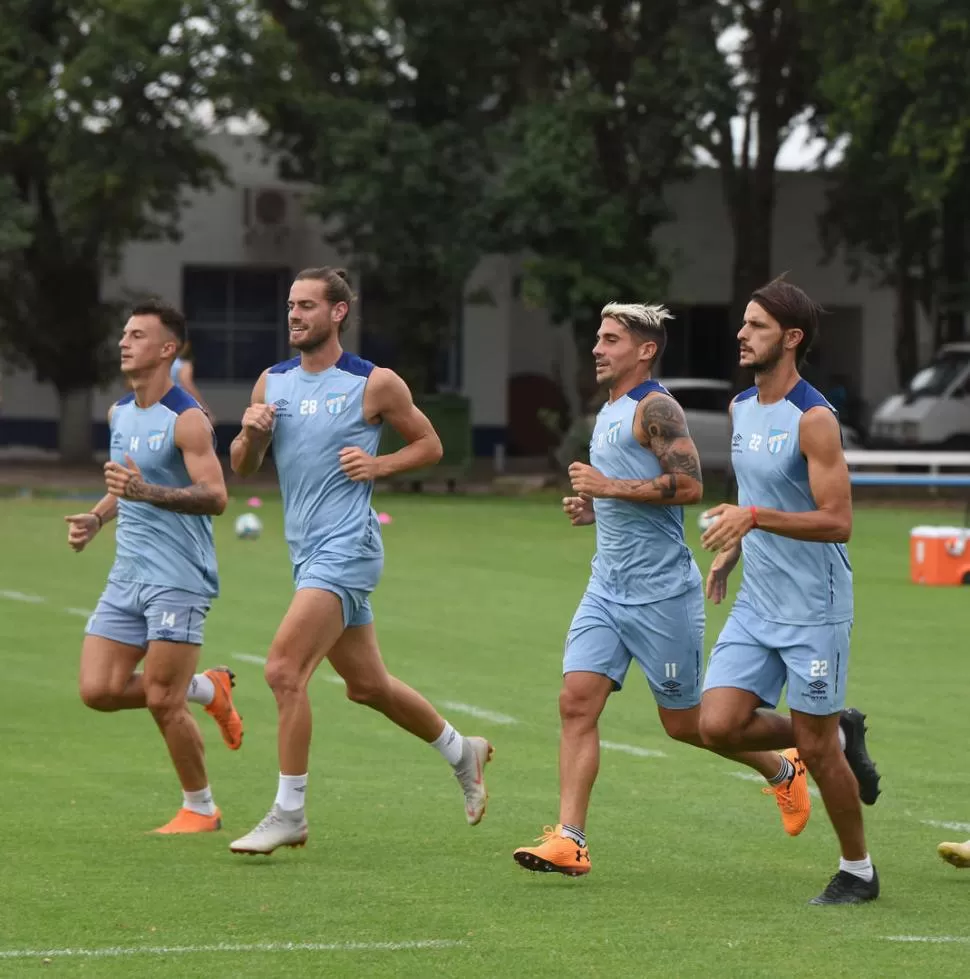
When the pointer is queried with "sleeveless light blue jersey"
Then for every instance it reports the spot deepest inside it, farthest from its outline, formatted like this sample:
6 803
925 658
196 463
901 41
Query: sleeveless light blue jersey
156 546
786 581
641 555
317 415
177 365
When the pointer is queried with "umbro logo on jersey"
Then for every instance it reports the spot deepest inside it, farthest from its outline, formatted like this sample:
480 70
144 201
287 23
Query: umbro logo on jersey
282 403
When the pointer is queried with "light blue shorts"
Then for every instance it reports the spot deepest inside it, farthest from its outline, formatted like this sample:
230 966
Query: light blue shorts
137 614
666 638
332 574
761 657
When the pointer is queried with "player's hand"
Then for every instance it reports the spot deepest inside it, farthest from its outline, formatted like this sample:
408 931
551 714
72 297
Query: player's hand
579 509
732 523
358 465
723 564
258 419
587 481
122 481
81 530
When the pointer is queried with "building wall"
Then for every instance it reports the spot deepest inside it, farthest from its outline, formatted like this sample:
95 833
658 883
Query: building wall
501 335
699 250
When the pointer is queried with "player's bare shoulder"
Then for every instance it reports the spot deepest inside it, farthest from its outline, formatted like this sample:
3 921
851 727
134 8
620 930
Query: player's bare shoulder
258 396
660 420
385 392
820 433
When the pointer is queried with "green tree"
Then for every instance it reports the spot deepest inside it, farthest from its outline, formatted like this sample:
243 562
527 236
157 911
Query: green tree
385 108
893 92
759 88
100 135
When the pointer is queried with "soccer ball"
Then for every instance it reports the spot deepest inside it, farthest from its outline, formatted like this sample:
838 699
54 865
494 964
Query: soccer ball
704 521
248 526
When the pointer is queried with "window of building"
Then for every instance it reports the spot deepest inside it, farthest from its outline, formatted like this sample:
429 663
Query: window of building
236 318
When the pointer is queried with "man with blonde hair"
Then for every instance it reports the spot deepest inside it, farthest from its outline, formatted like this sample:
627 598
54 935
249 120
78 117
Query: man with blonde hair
645 598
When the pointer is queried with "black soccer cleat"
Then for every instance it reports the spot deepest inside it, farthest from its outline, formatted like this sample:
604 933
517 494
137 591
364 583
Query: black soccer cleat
853 724
846 888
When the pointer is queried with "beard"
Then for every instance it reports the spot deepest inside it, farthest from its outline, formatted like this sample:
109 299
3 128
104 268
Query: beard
308 343
770 360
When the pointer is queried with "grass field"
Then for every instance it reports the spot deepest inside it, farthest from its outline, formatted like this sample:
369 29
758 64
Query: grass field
692 874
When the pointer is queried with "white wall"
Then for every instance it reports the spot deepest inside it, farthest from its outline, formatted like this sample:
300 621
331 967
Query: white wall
699 248
503 337
485 341
213 233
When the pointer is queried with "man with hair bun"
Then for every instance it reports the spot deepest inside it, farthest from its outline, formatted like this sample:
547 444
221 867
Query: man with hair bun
323 411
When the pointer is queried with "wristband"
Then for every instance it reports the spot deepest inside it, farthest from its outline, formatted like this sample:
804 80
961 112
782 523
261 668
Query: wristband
94 513
754 516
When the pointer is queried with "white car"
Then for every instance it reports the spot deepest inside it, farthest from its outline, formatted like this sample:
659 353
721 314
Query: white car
705 402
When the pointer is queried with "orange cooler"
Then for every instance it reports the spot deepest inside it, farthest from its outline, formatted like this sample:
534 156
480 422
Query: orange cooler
939 555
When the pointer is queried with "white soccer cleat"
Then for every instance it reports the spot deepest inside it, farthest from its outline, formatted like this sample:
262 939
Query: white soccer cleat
957 854
476 753
278 828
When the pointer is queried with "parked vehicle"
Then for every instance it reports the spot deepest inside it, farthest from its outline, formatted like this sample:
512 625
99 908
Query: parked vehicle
933 412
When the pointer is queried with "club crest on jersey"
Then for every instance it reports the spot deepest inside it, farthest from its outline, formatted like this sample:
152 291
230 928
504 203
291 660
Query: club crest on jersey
776 439
335 403
611 435
156 440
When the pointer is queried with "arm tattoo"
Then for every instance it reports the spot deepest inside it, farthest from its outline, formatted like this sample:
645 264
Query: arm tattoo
668 438
197 500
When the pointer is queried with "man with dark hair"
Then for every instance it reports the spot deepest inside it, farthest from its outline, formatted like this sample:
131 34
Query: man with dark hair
793 615
645 598
323 411
165 484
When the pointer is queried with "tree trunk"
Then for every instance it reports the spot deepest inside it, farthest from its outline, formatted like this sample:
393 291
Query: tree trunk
74 436
953 299
907 353
751 204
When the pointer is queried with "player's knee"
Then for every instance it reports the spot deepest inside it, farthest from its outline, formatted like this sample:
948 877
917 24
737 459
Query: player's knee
817 751
97 696
163 698
682 725
577 706
369 692
719 731
283 679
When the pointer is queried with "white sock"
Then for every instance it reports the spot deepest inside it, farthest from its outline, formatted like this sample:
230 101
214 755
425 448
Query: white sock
291 794
449 743
201 690
200 802
859 868
841 738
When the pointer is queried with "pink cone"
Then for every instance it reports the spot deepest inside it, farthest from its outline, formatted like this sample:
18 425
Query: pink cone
254 501
384 518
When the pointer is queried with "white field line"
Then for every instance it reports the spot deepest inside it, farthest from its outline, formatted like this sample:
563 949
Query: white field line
454 705
19 596
480 712
120 951
82 612
929 939
943 824
632 749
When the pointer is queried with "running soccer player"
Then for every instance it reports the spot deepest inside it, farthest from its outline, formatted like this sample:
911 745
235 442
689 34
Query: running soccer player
645 597
164 485
793 615
323 411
